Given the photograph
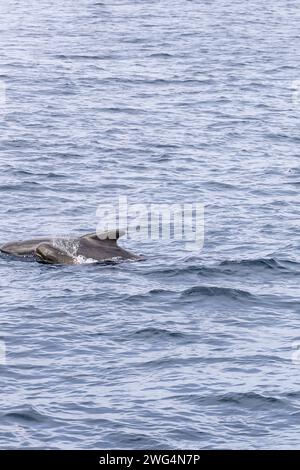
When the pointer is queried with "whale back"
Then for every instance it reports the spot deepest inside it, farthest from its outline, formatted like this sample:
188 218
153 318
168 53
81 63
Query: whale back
98 246
23 248
103 246
108 235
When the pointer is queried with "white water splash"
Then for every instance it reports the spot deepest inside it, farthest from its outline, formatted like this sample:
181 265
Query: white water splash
82 260
68 245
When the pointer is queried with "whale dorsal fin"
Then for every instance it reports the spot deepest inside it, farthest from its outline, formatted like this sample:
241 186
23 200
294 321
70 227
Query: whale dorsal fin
109 235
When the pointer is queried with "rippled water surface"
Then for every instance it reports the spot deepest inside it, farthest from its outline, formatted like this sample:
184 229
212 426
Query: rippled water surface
162 102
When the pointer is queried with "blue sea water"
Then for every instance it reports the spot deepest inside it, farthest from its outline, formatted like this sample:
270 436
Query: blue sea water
165 102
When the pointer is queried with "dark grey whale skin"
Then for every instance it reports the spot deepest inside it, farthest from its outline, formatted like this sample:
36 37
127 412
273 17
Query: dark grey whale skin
89 246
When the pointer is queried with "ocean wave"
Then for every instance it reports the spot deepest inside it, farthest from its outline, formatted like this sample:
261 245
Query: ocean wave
213 291
248 400
150 294
25 414
151 332
268 263
226 267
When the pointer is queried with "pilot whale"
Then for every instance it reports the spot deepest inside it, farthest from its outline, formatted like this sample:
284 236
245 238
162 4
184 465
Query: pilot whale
102 247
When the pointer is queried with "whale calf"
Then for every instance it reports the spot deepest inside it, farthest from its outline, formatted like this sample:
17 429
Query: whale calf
71 250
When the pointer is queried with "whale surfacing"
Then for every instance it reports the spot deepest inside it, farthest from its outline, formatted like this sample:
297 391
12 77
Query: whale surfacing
102 247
